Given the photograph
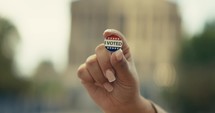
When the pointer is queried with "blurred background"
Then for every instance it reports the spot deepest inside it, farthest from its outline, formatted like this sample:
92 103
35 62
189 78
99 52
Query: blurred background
42 43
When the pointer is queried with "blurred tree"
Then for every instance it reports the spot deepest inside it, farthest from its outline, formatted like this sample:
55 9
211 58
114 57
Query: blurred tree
195 91
46 88
46 81
9 82
200 49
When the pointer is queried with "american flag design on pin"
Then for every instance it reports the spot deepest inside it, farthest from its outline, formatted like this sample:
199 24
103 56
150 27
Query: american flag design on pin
113 43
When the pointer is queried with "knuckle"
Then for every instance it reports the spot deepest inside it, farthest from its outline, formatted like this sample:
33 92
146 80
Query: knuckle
99 47
101 80
126 50
122 64
91 60
81 70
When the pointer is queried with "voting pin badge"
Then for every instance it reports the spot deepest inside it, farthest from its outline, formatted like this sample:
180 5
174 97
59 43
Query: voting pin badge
113 43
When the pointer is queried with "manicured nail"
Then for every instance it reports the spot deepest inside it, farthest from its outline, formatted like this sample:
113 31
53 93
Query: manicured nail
110 76
119 55
108 87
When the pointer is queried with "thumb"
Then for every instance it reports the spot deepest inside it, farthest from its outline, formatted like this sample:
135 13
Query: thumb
125 47
121 60
122 67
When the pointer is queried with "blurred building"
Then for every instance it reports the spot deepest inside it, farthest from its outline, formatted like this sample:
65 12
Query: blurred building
152 28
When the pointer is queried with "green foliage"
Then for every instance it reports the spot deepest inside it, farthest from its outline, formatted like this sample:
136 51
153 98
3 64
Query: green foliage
9 82
196 80
200 50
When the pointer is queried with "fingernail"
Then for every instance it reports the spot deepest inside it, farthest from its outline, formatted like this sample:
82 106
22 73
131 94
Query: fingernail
110 76
119 55
108 30
108 87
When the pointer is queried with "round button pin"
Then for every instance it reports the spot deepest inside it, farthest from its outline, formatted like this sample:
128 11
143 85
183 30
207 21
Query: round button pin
113 43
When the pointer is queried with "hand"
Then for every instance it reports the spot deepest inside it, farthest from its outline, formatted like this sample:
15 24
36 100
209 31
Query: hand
112 81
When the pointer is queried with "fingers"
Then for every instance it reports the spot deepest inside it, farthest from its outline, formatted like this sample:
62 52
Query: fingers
103 57
104 66
86 78
95 70
125 47
91 75
84 75
121 66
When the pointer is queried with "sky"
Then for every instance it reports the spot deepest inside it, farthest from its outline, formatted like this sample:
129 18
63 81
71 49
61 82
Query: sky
195 13
44 27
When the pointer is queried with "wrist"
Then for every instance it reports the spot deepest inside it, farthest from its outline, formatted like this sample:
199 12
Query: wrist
140 105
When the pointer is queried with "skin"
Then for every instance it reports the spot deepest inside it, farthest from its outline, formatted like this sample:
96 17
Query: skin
111 79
